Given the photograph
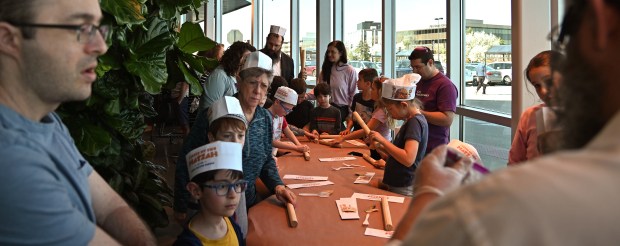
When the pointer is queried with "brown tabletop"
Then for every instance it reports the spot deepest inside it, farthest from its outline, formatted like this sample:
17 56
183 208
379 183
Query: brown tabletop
318 218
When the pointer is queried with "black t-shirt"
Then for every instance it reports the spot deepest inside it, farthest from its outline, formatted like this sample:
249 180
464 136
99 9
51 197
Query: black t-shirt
363 107
300 116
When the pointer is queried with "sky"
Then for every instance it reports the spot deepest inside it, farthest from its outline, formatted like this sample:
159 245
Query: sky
410 14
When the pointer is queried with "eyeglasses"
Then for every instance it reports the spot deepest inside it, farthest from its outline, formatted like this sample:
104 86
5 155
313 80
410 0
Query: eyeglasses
85 32
286 110
222 189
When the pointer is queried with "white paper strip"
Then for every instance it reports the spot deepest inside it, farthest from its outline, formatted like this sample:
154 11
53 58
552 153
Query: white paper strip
347 208
313 184
348 158
378 233
302 177
364 179
397 199
355 142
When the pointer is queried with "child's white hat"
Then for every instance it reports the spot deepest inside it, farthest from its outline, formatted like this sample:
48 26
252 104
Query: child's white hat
214 156
465 148
277 30
401 89
286 95
257 59
226 107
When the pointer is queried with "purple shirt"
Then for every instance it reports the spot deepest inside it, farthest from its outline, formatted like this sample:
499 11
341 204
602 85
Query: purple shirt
437 94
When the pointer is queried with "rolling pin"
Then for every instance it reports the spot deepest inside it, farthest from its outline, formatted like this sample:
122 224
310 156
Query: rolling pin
361 122
387 216
376 163
292 217
328 136
329 143
307 155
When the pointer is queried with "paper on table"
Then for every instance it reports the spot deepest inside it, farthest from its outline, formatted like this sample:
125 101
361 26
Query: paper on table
378 233
364 179
302 177
347 208
348 158
355 142
397 199
313 184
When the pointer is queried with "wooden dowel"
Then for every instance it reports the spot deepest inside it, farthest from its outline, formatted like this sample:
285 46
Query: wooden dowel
329 143
307 155
292 217
361 122
328 136
387 216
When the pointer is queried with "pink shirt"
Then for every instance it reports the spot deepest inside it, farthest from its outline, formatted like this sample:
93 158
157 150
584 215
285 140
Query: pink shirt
524 145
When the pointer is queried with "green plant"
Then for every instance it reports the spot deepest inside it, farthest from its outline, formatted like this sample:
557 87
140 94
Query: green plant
147 51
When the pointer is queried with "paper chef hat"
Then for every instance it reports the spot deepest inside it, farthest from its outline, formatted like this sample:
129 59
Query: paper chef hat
277 30
286 95
400 89
214 156
226 107
465 148
257 59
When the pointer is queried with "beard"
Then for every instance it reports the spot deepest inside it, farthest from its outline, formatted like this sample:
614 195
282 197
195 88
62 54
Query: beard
579 95
274 55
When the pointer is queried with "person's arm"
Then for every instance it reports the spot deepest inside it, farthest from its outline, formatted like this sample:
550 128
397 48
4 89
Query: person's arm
518 149
439 118
349 127
115 217
215 87
405 156
373 124
352 87
433 179
298 146
296 131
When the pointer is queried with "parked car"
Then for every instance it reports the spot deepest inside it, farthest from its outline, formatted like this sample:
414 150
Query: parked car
311 68
359 65
493 76
402 67
505 68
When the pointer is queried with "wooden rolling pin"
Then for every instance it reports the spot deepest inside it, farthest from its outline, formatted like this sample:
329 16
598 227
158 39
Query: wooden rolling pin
387 216
292 217
376 163
329 143
361 122
307 155
328 136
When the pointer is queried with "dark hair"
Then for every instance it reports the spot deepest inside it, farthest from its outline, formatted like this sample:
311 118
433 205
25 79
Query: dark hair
549 58
217 125
298 85
22 11
275 84
423 53
210 175
368 74
322 89
274 35
326 68
231 60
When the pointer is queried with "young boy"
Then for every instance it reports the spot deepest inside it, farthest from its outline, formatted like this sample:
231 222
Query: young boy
216 181
325 118
300 116
362 103
284 100
408 147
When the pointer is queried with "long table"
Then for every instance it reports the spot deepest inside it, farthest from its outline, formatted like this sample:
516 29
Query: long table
318 217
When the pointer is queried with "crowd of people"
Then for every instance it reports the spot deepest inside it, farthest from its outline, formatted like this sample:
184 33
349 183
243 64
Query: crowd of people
567 147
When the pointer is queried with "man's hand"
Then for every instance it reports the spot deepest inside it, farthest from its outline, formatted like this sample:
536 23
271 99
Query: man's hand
285 195
433 171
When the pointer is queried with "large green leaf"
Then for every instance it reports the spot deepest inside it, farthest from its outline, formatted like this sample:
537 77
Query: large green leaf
151 70
191 79
125 11
191 39
94 140
194 62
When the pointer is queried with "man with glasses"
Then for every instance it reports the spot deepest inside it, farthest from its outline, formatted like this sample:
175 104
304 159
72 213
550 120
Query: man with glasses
438 95
51 194
566 198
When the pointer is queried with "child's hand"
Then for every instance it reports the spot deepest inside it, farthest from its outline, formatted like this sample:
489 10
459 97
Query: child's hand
338 140
315 134
345 132
302 148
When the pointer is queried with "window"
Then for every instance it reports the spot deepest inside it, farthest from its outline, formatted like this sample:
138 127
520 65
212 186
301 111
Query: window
362 31
277 12
492 141
237 25
307 38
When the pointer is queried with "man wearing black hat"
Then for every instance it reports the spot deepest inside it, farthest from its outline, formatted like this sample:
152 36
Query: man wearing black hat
282 63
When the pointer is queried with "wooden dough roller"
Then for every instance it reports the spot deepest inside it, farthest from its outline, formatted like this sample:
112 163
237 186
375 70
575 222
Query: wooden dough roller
361 122
387 216
307 155
376 163
329 143
292 216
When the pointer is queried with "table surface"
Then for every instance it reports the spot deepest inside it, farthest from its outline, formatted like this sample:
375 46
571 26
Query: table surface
319 222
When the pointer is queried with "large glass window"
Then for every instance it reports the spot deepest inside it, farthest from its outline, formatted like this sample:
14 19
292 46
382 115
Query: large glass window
492 141
488 55
307 39
278 13
237 25
419 23
362 31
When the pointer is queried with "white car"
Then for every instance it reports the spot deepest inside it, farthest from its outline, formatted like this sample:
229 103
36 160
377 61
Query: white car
505 68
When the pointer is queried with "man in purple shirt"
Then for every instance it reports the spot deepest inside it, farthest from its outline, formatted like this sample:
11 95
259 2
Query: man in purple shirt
438 95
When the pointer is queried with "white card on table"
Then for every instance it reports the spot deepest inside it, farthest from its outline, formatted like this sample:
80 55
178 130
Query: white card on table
397 199
313 184
302 177
355 142
347 208
364 179
378 233
348 158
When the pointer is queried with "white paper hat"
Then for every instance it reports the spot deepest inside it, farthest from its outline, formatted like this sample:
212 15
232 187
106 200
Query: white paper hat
226 107
401 89
286 95
465 148
214 156
277 30
257 59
